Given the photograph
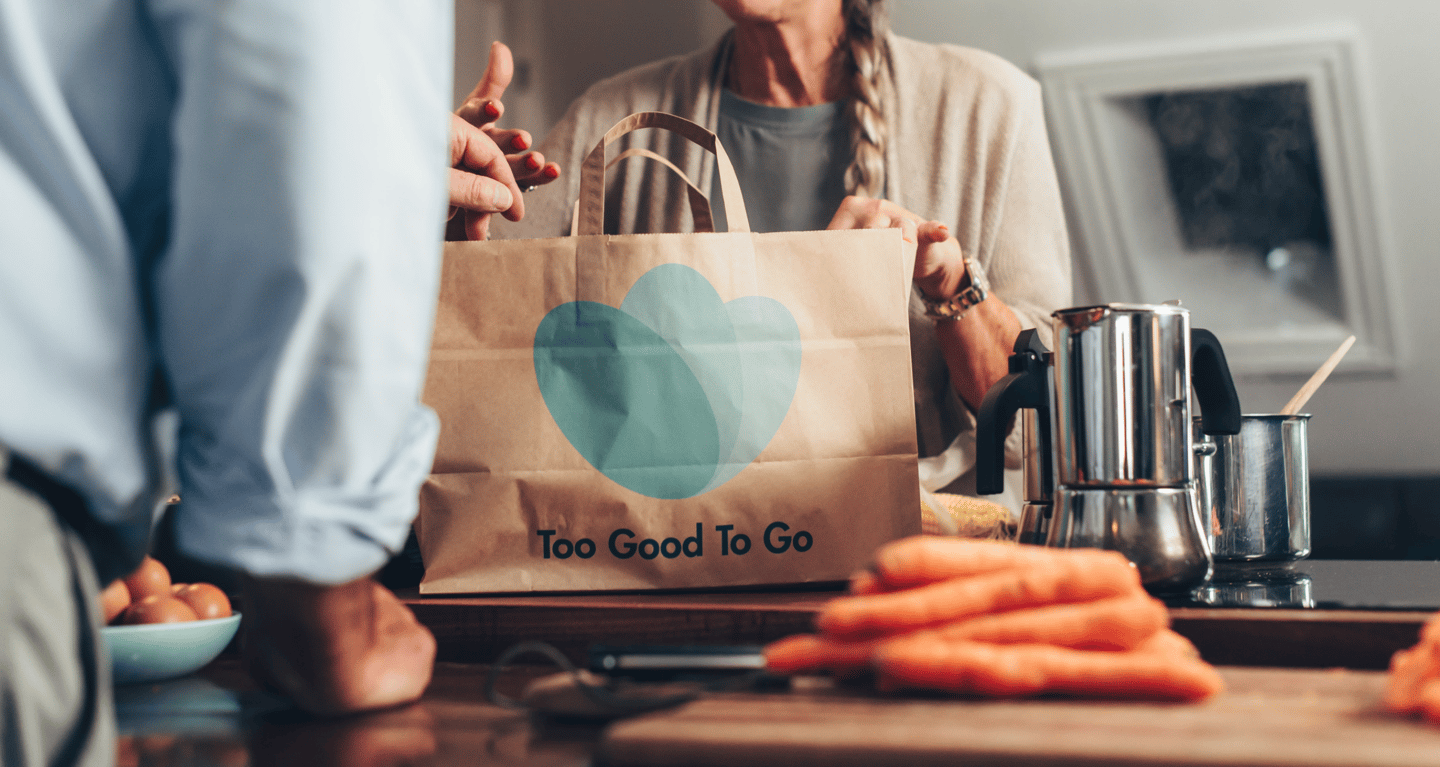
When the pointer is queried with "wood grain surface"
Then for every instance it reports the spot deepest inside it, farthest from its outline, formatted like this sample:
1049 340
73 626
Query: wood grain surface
1270 717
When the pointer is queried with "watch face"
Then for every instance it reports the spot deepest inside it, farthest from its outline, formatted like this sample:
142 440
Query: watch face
977 276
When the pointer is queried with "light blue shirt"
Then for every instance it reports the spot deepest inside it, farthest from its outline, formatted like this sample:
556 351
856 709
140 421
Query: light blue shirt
245 198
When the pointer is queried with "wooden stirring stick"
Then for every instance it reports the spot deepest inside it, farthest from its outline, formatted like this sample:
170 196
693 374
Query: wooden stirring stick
1301 397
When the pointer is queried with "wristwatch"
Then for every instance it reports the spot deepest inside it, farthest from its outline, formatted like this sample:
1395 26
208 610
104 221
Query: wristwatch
955 307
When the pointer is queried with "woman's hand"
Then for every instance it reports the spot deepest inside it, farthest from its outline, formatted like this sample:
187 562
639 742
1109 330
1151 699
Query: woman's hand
939 263
976 347
489 165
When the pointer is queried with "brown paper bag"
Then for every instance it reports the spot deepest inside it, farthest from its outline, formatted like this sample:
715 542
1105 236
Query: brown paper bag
671 410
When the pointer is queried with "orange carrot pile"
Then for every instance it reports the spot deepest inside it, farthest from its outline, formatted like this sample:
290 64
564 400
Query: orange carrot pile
996 619
927 660
1414 683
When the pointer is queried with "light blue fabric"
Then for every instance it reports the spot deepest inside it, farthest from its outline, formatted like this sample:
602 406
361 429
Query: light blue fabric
243 199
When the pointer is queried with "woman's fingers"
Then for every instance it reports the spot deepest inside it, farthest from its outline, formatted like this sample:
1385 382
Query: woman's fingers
869 213
532 170
545 175
939 262
938 259
482 107
932 232
512 141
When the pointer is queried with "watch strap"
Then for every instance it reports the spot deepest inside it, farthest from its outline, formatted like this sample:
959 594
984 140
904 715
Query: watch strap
955 307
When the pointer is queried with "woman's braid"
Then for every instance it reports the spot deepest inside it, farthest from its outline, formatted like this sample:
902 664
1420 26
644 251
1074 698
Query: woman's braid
866 23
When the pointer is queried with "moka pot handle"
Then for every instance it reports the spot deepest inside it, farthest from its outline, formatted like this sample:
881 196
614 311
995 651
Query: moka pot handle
1214 387
1026 386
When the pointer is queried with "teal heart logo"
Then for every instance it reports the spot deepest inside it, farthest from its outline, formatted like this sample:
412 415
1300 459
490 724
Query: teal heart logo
675 392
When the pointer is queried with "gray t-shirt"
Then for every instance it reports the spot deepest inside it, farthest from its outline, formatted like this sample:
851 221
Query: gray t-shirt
791 162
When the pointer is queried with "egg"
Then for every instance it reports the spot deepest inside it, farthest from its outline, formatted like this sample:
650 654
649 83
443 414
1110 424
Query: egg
157 609
149 579
206 600
114 599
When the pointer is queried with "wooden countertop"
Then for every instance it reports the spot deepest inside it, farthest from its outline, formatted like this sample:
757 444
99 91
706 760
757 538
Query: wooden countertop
475 629
1271 717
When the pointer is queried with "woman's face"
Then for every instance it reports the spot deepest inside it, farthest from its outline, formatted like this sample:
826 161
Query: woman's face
775 10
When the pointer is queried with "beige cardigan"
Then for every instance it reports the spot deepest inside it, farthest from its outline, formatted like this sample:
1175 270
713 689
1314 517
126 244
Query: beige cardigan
967 147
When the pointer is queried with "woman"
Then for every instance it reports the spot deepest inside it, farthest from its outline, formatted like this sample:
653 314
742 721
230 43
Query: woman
834 122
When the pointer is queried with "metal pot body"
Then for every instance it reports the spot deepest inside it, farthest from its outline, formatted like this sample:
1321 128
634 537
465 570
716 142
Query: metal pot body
1251 586
1122 396
1039 459
1255 489
1157 528
1035 523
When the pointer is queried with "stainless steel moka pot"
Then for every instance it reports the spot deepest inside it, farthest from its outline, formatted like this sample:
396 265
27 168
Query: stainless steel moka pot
1112 410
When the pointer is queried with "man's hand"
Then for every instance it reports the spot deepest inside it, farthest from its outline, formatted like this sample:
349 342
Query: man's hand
489 165
336 649
481 183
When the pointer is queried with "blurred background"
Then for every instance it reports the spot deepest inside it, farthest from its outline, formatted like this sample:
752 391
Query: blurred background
1271 163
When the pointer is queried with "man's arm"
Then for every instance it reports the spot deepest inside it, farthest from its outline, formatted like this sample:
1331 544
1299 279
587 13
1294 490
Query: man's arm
293 314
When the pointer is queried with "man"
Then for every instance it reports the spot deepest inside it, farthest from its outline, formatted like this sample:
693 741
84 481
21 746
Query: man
219 231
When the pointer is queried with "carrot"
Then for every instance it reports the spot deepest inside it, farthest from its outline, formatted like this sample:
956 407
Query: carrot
1167 642
1430 632
865 582
1063 580
1114 623
926 559
1429 701
1410 672
1402 685
926 660
808 652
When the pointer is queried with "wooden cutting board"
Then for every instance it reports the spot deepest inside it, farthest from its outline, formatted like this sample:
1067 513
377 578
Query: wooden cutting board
1272 717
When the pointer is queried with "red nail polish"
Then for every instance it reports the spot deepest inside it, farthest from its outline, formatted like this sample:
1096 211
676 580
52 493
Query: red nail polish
491 109
552 172
519 142
532 162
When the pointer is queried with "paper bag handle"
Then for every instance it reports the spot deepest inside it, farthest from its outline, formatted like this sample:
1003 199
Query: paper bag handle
592 172
699 202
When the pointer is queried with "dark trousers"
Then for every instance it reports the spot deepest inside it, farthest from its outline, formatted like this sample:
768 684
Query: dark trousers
56 704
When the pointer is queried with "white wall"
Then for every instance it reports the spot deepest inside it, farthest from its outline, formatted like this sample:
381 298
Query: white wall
1388 425
1361 426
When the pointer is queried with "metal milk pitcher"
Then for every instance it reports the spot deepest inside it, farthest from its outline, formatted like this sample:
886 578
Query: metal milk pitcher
1118 395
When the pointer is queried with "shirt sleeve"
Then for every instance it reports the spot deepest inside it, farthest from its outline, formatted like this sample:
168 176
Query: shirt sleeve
294 301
